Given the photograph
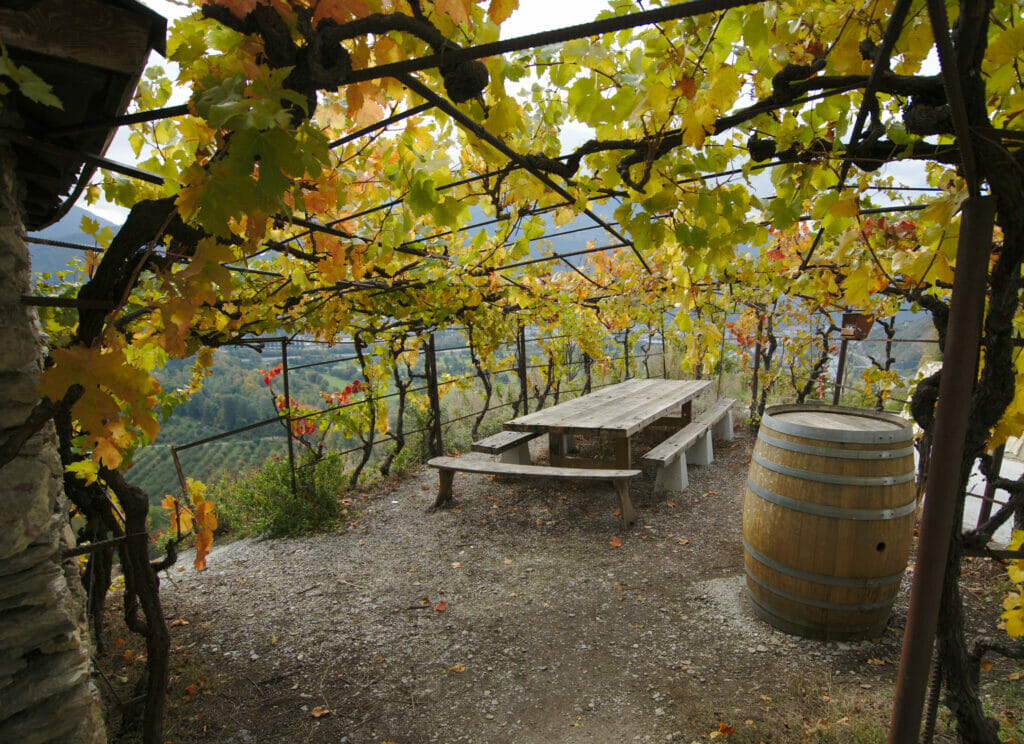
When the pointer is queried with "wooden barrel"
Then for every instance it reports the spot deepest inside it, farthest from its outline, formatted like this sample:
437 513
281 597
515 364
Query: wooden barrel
828 518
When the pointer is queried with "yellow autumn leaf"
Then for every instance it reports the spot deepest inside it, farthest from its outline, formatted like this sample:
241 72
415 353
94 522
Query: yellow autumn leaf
503 117
1013 603
1016 572
341 11
848 207
1006 47
457 10
364 103
845 56
500 10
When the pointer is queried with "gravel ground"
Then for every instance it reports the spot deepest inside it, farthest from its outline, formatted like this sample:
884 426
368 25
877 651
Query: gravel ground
525 614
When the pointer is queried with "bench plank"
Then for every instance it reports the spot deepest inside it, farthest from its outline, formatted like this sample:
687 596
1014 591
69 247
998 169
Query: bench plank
475 465
718 409
672 447
502 441
448 465
510 446
719 418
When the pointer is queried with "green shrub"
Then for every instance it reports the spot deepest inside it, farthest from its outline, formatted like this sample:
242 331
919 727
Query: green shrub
261 501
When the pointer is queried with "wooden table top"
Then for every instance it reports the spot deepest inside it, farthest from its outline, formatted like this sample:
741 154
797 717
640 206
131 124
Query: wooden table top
622 409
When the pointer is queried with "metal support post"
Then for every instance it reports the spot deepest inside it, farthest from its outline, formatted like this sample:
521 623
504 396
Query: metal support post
625 350
288 414
664 349
436 443
952 414
840 369
524 392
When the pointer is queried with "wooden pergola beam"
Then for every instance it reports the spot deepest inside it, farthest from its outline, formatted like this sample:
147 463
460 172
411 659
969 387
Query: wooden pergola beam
84 31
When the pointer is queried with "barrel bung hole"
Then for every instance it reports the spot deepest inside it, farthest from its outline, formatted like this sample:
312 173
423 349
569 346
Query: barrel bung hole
880 547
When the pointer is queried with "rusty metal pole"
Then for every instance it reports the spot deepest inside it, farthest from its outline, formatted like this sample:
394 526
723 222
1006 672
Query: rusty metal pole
288 414
436 441
625 352
757 369
840 369
664 349
524 383
952 412
181 475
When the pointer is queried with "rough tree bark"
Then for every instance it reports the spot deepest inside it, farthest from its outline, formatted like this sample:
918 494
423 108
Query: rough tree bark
46 692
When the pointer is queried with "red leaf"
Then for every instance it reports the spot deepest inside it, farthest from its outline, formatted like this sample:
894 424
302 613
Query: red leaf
440 606
615 542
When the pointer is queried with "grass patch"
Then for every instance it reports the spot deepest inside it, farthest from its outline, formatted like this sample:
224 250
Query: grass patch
261 502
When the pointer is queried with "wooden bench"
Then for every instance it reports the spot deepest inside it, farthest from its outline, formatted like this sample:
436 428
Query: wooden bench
719 418
448 465
513 446
694 440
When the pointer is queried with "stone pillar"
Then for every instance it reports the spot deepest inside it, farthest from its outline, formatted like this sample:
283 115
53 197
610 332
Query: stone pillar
46 690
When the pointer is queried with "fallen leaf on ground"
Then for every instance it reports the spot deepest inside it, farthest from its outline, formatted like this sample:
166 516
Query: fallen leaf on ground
457 668
682 541
986 665
877 662
179 621
615 542
195 687
440 606
320 711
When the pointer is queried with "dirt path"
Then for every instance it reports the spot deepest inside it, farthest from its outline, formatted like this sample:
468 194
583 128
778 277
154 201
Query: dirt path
523 615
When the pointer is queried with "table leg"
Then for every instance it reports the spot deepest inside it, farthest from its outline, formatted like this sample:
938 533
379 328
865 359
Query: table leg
687 412
623 453
556 445
625 505
569 444
444 491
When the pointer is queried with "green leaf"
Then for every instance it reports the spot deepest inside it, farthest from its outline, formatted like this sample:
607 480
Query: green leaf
422 196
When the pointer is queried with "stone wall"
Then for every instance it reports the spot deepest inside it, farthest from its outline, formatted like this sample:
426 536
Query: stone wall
46 690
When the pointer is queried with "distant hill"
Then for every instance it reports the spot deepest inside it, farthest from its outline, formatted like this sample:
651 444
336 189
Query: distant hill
49 258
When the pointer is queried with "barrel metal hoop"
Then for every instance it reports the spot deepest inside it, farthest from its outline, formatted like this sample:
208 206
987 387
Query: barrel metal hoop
848 436
836 480
789 624
832 512
835 452
850 607
873 582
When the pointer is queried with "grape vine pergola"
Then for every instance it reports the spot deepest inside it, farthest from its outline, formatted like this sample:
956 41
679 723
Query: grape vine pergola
319 181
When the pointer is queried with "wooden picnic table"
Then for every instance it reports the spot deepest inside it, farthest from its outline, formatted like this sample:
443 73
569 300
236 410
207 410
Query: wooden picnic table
622 411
